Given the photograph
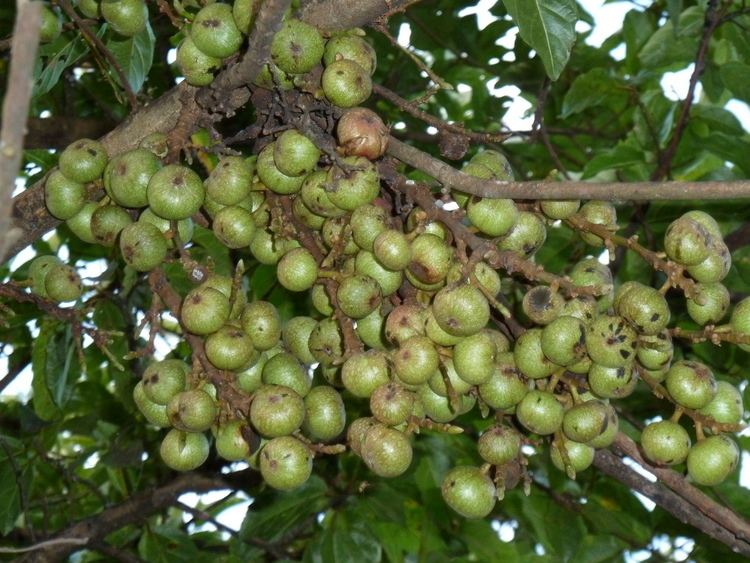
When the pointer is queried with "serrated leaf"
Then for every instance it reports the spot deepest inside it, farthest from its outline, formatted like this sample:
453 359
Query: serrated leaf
547 26
135 56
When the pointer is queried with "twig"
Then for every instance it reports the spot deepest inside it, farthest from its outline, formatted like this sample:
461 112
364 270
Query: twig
712 21
711 334
102 48
45 544
457 129
541 128
25 41
539 189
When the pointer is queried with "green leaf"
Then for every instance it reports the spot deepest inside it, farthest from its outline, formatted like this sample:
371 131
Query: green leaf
548 26
162 544
596 549
619 157
135 56
274 513
736 77
214 250
594 88
10 494
674 7
484 543
43 357
62 55
668 47
346 539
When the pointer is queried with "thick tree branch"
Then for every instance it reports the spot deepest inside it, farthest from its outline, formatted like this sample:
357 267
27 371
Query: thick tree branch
539 189
59 131
15 110
335 15
676 505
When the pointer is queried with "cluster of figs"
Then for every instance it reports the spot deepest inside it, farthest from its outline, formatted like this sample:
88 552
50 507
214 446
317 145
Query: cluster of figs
397 325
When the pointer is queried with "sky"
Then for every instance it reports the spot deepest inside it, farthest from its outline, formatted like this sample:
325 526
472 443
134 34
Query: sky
608 19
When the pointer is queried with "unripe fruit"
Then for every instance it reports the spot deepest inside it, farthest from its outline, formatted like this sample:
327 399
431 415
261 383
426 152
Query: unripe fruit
392 249
585 421
294 154
296 334
49 26
355 434
499 445
540 412
416 360
164 379
469 492
351 47
590 272
127 175
244 12
261 322
448 372
315 197
740 320
184 451
276 411
711 460
268 248
612 383
542 305
708 222
192 411
715 267
709 304
655 352
385 451
251 378
560 209
474 358
273 178
284 369
495 162
83 161
364 372
62 283
126 17
107 222
297 270
493 217
353 187
62 196
80 223
297 47
38 270
726 406
197 66
529 356
582 307
563 341
431 258
686 242
230 182
439 408
462 310
665 442
645 308
361 132
229 348
336 233
527 235
234 226
358 296
214 31
155 414
185 227
606 438
691 384
346 84
175 192
598 213
371 330
285 463
143 246
580 456
232 440
505 388
610 341
204 310
391 404
388 280
325 415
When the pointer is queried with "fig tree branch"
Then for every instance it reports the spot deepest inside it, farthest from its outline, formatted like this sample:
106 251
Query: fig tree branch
540 189
15 109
